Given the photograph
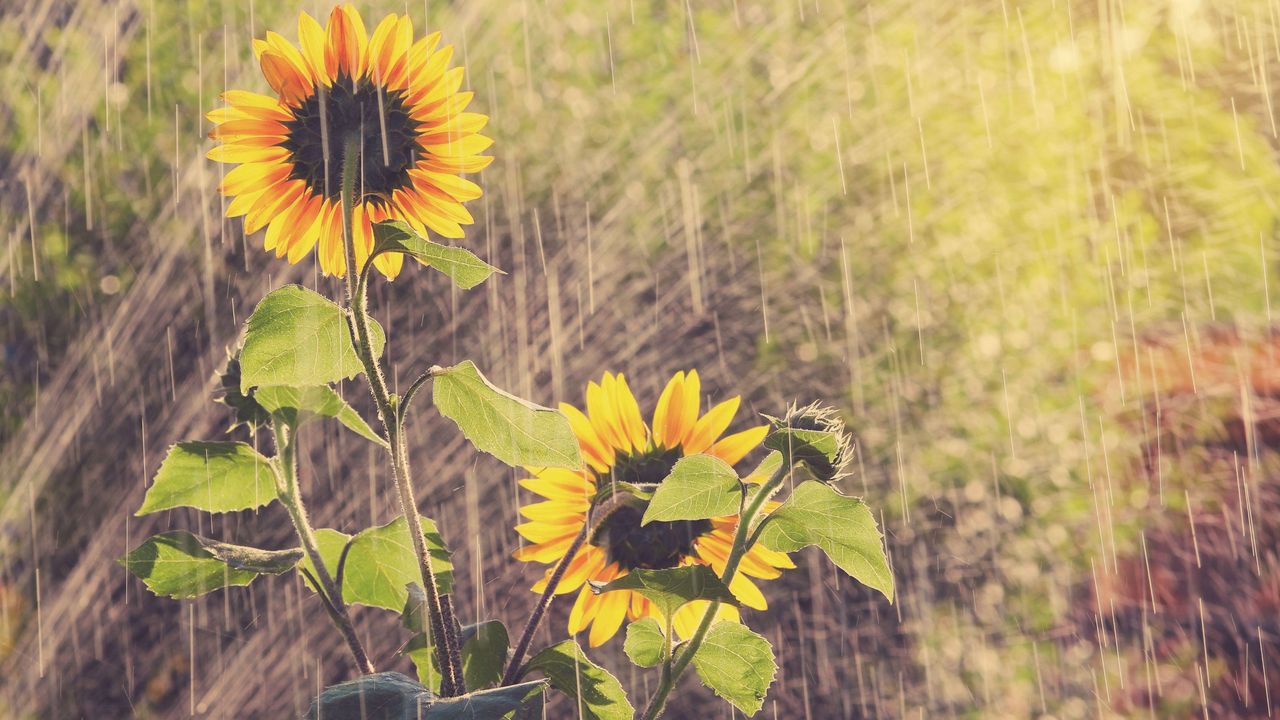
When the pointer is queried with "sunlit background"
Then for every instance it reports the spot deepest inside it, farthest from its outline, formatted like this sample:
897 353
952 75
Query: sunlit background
1027 247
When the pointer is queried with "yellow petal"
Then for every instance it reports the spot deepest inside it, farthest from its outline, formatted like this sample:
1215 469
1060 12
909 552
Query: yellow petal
584 610
245 154
733 448
598 454
613 608
662 411
311 38
709 426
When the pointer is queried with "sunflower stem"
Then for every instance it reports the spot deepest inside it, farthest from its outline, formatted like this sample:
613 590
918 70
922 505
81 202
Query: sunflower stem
742 542
439 608
330 591
549 592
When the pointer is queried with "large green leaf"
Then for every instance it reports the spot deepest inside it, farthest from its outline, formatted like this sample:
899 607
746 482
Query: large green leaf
484 653
464 268
737 664
381 696
842 526
212 476
515 431
698 487
671 588
646 644
495 704
299 338
297 405
181 565
381 562
393 696
594 691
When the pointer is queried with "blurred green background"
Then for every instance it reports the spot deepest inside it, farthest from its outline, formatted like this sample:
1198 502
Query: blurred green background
1025 246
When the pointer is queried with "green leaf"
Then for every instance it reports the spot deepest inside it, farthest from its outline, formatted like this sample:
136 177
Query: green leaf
492 704
484 653
842 526
299 338
737 664
381 562
297 405
598 694
646 644
420 649
671 588
464 268
517 432
381 696
213 476
179 565
698 487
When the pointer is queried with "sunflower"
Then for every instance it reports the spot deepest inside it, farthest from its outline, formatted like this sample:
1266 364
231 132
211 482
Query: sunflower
401 101
618 446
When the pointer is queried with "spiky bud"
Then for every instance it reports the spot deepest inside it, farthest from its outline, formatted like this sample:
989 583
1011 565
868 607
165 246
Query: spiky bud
813 436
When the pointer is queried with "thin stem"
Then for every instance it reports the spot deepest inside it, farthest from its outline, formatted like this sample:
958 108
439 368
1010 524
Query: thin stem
329 591
549 592
443 624
740 547
403 408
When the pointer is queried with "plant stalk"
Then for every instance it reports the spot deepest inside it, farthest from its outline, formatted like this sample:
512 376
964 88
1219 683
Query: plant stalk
443 624
330 593
741 543
548 593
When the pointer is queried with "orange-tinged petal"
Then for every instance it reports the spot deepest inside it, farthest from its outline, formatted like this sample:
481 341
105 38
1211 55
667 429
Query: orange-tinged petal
271 204
283 225
733 448
251 177
311 220
330 249
377 44
284 77
346 43
663 408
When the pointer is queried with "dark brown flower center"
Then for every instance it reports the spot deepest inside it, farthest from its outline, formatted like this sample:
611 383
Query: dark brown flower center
658 544
378 116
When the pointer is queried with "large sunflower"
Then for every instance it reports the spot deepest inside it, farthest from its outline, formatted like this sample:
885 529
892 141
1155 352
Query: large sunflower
618 446
401 100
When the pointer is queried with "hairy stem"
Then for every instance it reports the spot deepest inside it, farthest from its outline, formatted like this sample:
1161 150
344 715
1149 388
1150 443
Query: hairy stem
549 593
742 540
443 624
330 592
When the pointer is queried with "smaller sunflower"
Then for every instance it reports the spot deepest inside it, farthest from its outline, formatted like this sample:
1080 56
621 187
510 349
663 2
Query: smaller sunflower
394 94
618 445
